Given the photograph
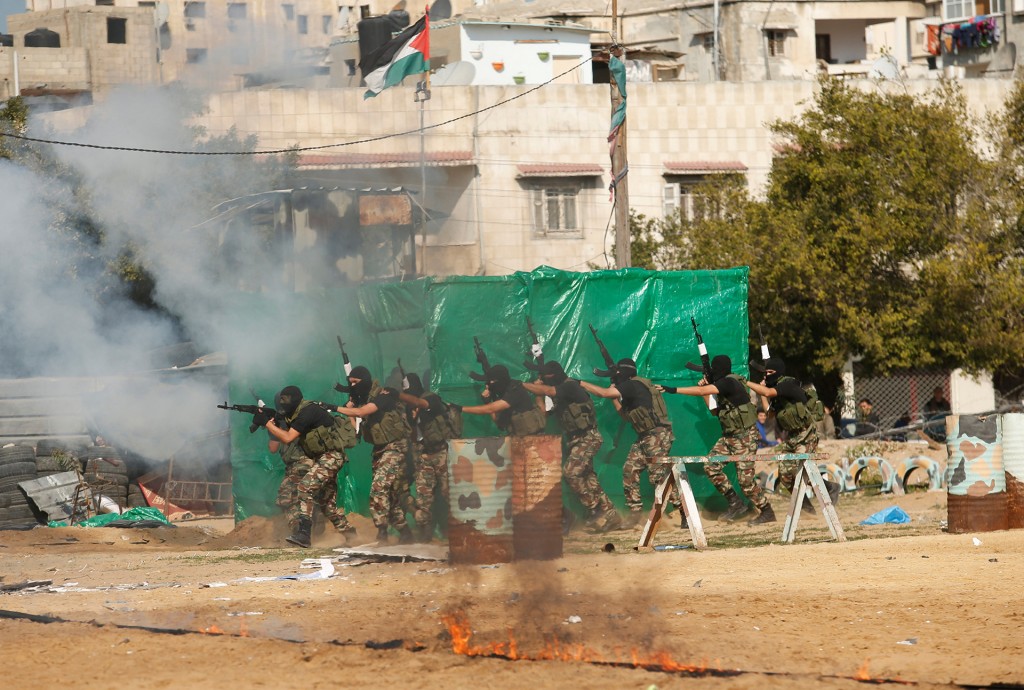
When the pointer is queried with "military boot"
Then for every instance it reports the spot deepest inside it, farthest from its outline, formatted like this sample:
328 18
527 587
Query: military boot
833 490
682 520
764 517
405 536
737 507
300 537
382 536
348 533
807 507
606 521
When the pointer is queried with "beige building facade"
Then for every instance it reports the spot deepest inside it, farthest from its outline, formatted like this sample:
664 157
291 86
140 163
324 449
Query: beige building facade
520 183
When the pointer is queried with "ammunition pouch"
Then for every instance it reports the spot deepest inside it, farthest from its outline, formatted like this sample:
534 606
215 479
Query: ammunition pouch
576 418
443 427
527 423
643 419
381 429
735 419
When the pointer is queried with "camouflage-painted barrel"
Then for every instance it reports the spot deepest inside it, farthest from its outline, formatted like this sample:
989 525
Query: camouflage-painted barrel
975 480
480 501
1013 465
537 497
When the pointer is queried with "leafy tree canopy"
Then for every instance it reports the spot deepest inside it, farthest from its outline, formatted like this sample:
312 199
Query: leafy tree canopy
884 234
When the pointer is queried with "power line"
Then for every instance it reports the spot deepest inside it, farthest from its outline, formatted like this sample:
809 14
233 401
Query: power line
300 148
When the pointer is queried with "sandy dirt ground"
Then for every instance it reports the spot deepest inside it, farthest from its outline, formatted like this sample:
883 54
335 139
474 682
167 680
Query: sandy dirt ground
893 605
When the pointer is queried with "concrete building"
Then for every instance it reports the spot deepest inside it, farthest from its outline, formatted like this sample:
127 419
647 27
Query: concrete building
524 182
482 53
102 43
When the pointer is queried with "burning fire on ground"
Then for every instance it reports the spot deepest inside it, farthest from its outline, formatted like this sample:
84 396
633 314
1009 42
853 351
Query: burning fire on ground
554 649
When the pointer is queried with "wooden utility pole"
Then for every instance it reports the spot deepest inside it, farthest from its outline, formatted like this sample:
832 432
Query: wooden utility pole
620 166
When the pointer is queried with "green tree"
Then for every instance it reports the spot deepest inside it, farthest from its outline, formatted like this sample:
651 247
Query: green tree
884 233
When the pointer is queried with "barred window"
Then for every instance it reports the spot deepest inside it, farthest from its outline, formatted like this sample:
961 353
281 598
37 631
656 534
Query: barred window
555 211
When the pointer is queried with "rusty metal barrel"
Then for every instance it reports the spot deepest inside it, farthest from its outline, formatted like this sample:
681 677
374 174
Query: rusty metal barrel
1013 465
975 479
537 497
480 481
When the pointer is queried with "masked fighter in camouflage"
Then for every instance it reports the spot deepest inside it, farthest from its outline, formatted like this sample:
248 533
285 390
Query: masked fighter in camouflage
640 403
386 427
575 412
738 418
322 439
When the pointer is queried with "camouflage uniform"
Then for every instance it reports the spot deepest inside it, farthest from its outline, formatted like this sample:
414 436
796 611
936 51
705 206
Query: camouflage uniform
805 441
649 447
579 471
296 465
744 444
431 473
320 486
389 485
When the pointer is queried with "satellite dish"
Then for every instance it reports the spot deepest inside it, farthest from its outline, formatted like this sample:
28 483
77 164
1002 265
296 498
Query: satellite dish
884 67
441 9
459 73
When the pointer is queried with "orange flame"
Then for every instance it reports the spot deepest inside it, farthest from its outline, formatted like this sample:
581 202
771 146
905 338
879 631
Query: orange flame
212 630
862 672
554 649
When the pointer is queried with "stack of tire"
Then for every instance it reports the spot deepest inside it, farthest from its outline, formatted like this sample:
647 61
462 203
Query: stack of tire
106 473
17 464
136 499
50 455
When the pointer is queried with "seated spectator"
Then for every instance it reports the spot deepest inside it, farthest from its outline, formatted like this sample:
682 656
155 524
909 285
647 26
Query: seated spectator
867 420
827 426
935 411
766 431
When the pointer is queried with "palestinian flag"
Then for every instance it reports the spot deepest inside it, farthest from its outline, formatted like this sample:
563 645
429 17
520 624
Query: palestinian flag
405 54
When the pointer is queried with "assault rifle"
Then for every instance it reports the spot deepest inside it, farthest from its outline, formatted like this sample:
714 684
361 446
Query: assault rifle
536 352
344 388
705 363
258 411
481 357
608 361
761 368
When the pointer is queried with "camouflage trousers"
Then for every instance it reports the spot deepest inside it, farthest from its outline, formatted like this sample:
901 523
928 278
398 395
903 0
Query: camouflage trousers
805 441
320 487
390 485
430 473
652 445
743 444
579 471
288 492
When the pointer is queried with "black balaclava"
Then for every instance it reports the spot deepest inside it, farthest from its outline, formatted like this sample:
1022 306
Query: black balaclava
625 369
778 366
360 392
721 366
553 373
498 380
289 397
412 385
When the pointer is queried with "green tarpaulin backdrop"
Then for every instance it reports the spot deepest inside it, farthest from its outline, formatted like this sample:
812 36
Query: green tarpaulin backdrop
430 324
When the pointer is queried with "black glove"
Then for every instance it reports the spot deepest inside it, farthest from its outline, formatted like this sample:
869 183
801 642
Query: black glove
262 417
342 388
330 407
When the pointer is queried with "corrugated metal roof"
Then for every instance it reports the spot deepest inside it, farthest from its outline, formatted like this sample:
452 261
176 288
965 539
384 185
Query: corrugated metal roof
54 493
332 161
704 166
559 170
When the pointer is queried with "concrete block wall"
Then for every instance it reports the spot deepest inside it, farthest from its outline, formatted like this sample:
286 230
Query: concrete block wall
58 68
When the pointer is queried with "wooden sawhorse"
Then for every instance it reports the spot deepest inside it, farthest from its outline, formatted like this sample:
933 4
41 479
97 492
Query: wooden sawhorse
807 476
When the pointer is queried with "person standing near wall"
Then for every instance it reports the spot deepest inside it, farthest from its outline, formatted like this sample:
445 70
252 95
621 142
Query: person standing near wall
575 412
789 404
640 403
386 428
323 440
738 418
